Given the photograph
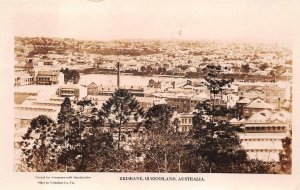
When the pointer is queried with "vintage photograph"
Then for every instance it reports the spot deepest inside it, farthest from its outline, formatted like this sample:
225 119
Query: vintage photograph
200 87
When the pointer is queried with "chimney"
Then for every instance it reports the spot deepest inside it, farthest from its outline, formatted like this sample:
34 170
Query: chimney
118 81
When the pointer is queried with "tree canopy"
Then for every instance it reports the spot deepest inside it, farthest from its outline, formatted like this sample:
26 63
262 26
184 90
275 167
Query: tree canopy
39 146
120 109
70 75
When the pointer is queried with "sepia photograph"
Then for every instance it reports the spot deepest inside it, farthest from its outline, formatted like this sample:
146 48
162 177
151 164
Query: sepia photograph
152 106
152 87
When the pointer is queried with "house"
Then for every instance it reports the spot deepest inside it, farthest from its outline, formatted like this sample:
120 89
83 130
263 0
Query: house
23 78
261 146
286 76
263 133
146 102
180 102
29 73
267 121
241 103
72 90
231 100
49 77
186 122
92 89
256 106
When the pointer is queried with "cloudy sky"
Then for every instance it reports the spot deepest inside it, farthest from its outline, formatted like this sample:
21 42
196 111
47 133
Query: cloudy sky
237 20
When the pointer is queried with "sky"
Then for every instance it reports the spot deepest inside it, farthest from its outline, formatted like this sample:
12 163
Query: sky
269 21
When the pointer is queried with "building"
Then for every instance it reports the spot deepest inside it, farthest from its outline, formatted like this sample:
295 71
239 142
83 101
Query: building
256 106
263 133
180 102
267 121
23 78
49 77
28 73
94 89
146 102
185 102
261 146
275 95
287 76
240 104
72 90
186 122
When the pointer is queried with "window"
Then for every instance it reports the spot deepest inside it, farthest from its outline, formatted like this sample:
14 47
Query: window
278 128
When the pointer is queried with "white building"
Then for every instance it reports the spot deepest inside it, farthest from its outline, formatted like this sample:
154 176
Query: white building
263 133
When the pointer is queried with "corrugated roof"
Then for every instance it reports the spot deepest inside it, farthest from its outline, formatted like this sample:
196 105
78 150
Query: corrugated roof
261 116
259 103
269 116
283 116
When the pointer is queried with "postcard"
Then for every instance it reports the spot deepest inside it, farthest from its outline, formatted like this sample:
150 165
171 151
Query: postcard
110 94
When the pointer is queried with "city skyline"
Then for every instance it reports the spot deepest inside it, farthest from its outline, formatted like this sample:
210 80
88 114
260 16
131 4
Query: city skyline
117 20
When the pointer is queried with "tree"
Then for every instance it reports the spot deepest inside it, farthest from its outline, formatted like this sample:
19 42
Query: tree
164 145
71 75
158 118
215 140
39 146
216 87
87 147
120 109
66 109
245 68
162 70
143 69
277 71
263 66
149 69
75 76
286 155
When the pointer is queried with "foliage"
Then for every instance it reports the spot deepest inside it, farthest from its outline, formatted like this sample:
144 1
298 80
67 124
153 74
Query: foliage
164 146
87 147
245 68
77 143
158 118
39 147
71 75
263 66
120 109
215 140
66 109
286 155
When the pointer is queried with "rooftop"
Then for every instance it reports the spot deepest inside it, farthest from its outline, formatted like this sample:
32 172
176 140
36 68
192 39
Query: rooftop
269 116
259 103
